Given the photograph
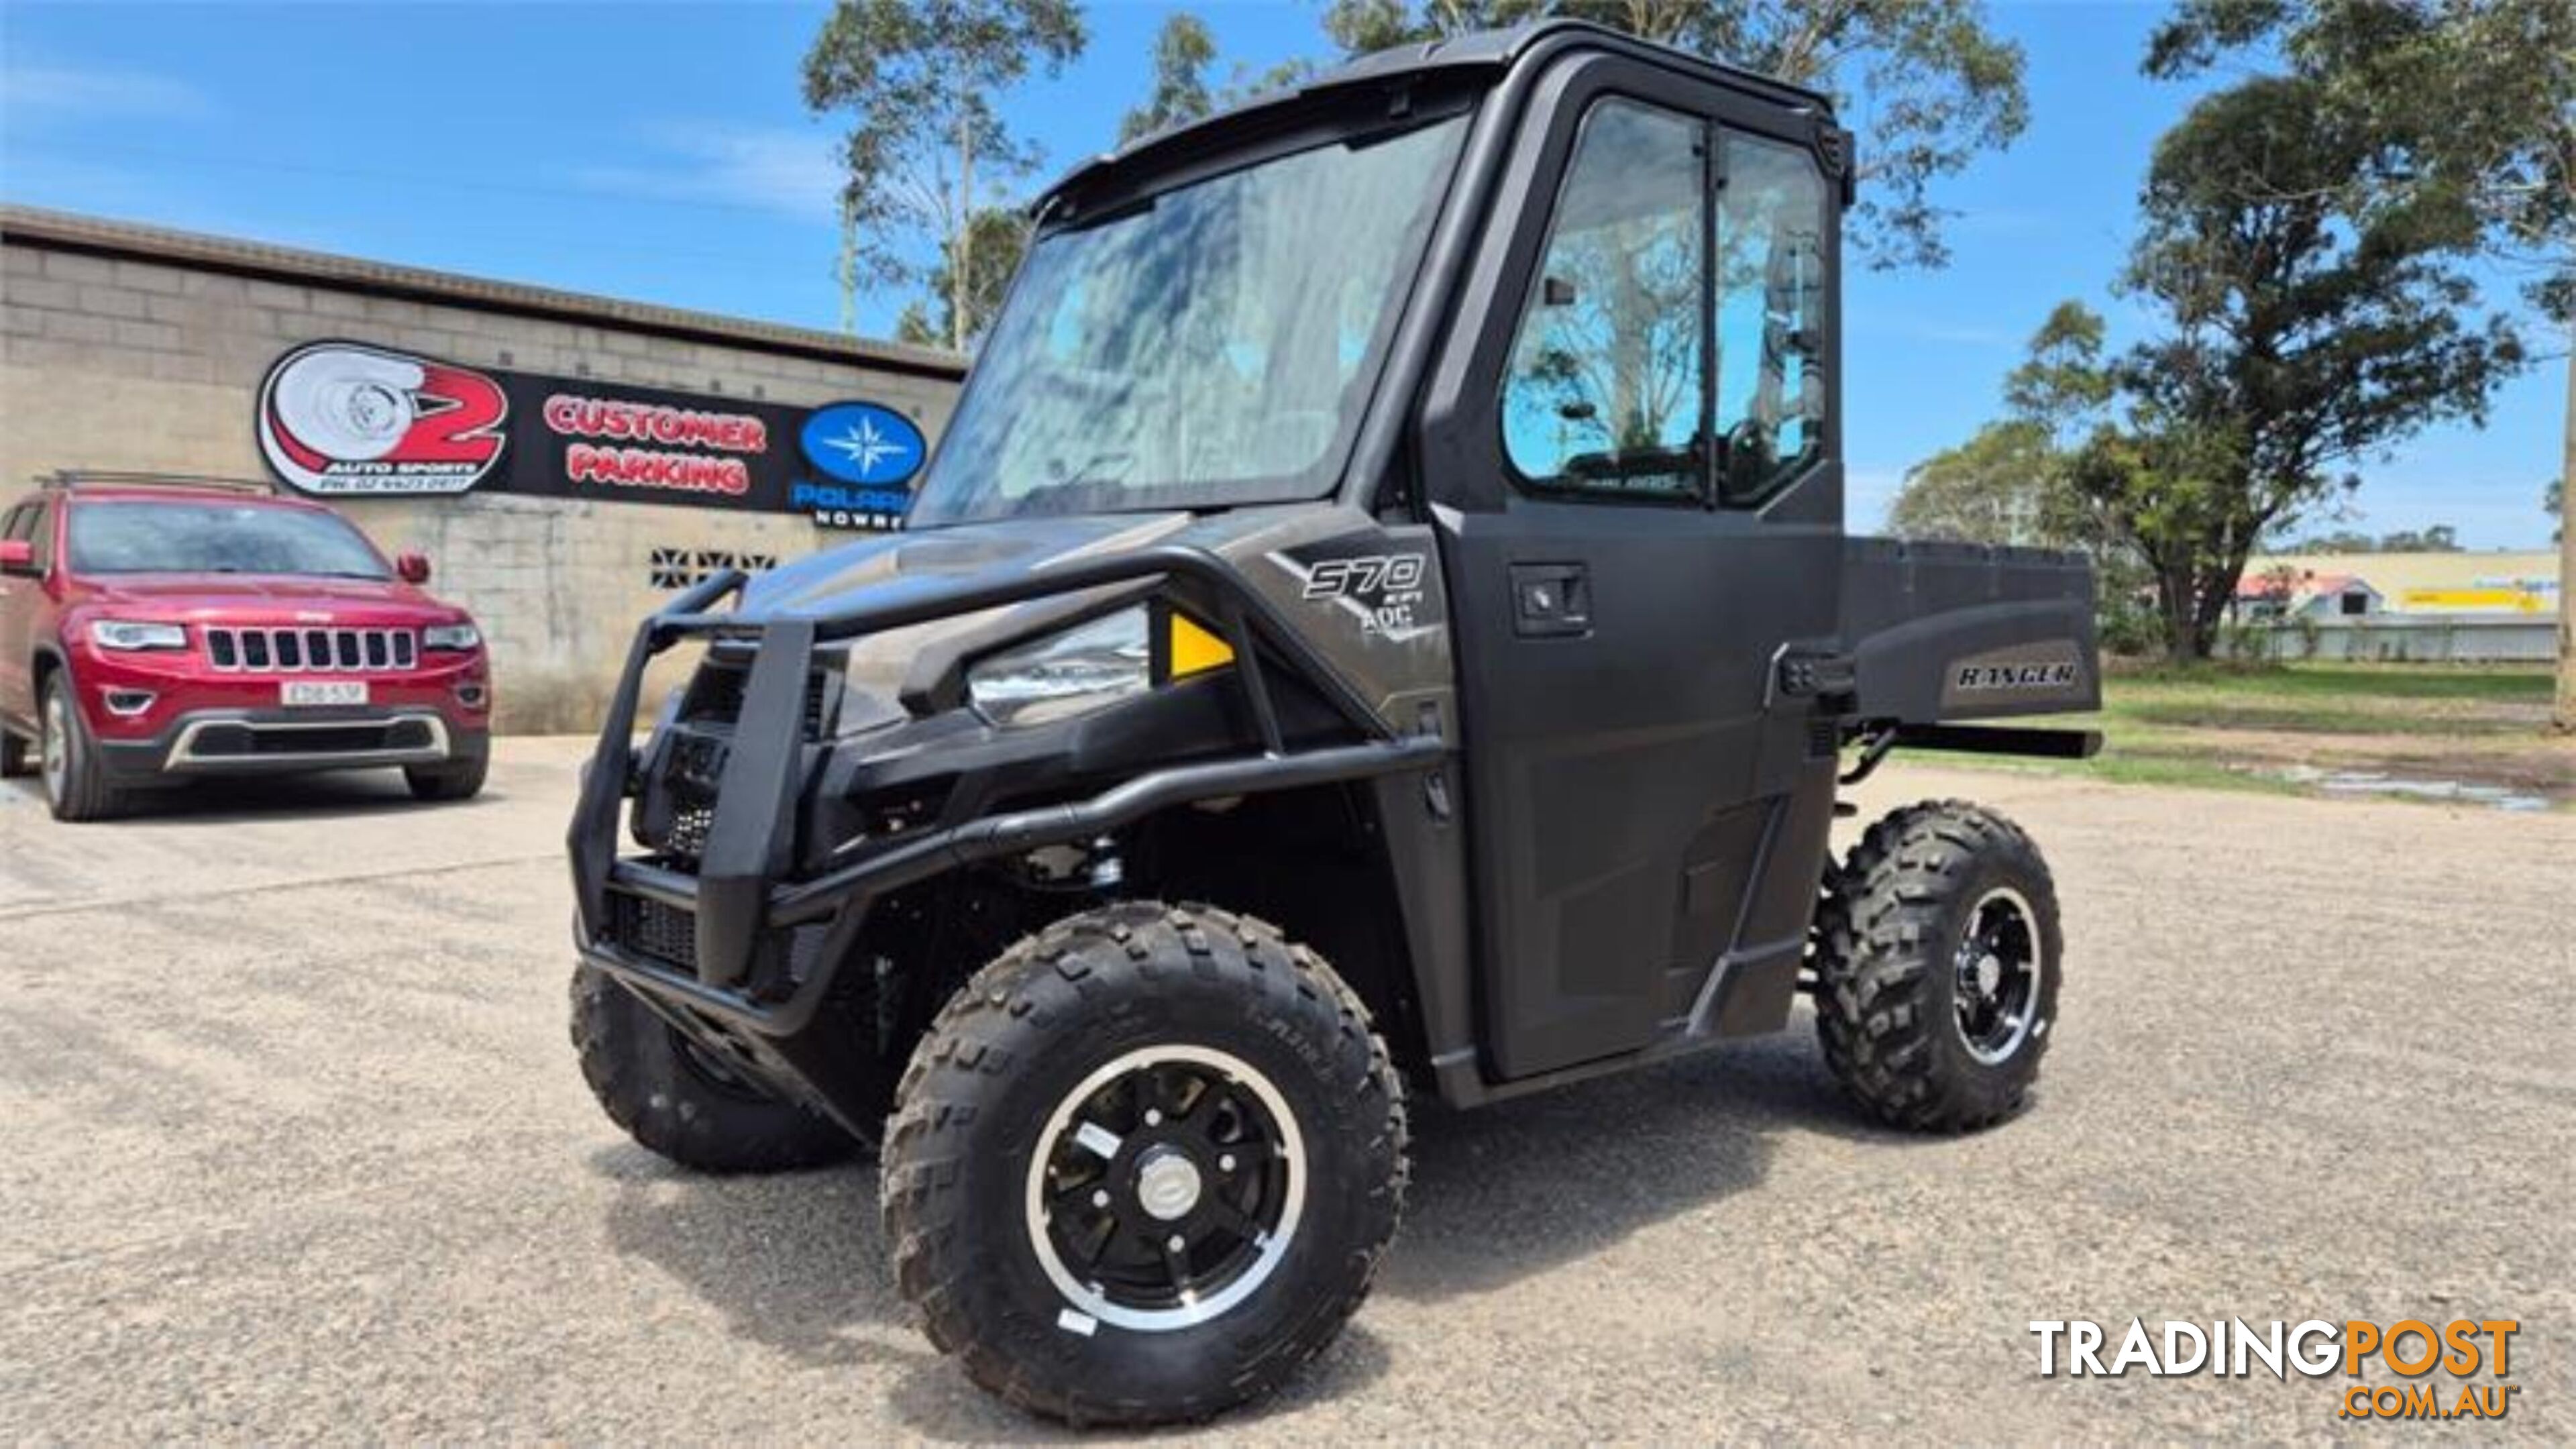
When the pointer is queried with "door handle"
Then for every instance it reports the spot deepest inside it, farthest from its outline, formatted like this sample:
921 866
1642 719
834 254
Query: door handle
1551 601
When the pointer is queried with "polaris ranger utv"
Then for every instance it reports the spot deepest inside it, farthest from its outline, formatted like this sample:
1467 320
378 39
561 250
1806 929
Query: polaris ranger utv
1379 619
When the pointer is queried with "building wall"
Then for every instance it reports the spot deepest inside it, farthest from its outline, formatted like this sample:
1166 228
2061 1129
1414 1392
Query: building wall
112 362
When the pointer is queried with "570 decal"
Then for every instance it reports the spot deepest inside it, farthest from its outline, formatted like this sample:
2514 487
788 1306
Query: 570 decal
1385 588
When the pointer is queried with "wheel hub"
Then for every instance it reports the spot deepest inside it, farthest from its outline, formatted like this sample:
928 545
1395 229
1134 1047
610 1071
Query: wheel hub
1998 973
1167 1185
1166 1188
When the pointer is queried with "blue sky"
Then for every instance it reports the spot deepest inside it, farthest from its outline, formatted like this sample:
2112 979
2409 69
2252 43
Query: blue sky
661 152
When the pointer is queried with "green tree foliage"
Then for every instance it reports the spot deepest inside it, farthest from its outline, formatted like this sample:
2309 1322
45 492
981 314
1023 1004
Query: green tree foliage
2002 486
2472 101
1183 51
995 241
2440 538
1925 83
2472 104
2301 334
917 79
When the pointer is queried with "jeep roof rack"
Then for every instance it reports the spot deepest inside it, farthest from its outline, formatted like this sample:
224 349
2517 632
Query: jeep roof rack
76 478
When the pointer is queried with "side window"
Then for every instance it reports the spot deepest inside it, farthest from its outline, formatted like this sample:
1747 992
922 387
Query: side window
1771 319
1605 393
40 529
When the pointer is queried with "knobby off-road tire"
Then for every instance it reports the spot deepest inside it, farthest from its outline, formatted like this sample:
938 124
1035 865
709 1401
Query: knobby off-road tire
1267 1180
460 781
682 1104
75 778
1937 967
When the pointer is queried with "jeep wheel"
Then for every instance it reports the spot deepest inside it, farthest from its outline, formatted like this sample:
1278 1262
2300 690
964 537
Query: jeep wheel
460 781
75 779
683 1102
1937 967
1144 1166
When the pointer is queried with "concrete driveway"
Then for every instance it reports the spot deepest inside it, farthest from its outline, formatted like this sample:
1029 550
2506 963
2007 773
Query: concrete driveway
295 1150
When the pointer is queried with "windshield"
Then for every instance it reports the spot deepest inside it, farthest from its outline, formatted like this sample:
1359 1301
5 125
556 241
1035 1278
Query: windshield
155 537
1213 346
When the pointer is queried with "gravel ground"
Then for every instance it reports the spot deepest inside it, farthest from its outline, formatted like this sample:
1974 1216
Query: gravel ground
296 1150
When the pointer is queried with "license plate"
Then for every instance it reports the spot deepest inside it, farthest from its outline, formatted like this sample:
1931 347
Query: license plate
322 691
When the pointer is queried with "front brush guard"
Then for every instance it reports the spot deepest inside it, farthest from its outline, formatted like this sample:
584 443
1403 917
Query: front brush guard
742 889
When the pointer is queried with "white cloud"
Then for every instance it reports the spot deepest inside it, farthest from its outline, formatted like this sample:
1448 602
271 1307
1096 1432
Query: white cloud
778 169
41 90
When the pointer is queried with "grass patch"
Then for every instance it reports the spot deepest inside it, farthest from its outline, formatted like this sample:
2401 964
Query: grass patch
2245 727
2389 699
2119 765
2463 683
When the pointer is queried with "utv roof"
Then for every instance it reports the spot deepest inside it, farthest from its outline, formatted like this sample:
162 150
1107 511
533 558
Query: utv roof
1492 51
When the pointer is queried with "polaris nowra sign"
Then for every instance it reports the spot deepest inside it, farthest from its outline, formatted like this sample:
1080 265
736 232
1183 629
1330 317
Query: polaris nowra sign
868 456
342 419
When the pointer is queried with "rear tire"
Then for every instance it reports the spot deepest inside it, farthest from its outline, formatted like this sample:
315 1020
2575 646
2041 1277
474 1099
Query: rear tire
76 787
1144 1166
462 780
681 1102
1937 967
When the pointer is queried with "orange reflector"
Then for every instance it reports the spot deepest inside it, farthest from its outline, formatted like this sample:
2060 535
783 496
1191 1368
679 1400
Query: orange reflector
1194 649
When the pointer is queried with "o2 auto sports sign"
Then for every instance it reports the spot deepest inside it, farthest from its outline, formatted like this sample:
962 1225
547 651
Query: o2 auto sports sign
340 418
346 419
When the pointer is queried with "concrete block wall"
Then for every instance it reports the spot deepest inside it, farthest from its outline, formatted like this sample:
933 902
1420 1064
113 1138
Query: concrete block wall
155 365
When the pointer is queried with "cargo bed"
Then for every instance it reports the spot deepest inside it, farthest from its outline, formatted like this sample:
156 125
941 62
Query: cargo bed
1942 632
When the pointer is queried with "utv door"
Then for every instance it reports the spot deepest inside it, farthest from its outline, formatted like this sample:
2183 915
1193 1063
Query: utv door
1632 444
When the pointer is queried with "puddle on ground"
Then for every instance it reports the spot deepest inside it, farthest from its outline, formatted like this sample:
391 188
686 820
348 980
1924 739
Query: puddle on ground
2368 782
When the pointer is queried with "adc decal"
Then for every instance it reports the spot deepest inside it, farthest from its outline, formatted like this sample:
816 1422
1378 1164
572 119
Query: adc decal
340 418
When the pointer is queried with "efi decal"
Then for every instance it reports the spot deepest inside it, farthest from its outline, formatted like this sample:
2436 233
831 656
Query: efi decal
866 456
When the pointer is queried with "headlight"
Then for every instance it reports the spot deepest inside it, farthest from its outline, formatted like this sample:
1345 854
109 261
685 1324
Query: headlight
128 635
1063 675
459 637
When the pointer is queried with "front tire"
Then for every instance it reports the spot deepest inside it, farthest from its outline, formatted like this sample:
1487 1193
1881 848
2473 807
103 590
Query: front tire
75 779
682 1103
1937 966
1144 1166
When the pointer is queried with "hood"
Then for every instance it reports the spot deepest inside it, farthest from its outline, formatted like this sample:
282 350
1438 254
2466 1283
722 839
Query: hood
913 664
889 568
246 597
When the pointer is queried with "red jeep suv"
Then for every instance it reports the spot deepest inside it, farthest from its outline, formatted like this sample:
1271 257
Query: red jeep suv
154 630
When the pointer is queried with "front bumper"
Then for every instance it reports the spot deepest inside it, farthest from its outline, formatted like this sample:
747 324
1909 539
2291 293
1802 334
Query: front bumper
713 951
278 741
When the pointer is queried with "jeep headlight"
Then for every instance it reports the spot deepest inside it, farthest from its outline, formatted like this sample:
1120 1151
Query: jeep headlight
457 637
128 635
1080 670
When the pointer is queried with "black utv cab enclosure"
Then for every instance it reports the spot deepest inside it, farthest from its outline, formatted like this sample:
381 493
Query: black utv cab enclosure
1381 611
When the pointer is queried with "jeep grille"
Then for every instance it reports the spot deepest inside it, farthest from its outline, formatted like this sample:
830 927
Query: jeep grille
316 651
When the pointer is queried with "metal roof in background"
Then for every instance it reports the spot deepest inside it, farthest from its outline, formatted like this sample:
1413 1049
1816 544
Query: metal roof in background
98 236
